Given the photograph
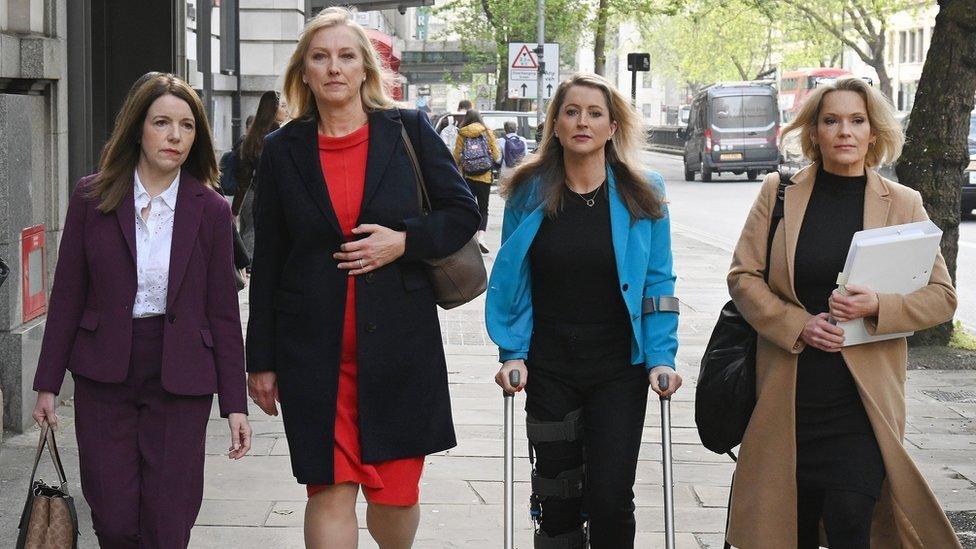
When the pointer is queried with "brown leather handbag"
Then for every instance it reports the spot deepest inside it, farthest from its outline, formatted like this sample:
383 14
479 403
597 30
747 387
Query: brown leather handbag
49 520
461 276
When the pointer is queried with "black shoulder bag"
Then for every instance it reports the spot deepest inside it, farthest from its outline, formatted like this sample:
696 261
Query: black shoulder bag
726 391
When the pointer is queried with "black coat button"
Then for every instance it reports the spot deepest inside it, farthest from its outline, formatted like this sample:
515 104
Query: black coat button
369 278
626 287
171 318
371 327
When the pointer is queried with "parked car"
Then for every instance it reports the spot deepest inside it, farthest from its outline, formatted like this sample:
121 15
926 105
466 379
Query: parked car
733 128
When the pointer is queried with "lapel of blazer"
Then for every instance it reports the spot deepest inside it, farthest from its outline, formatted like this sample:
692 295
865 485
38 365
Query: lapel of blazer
794 208
384 135
619 225
186 226
304 151
125 213
876 201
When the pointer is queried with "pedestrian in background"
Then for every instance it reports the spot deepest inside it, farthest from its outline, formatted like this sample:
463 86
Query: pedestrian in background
513 148
268 118
228 164
824 445
343 327
144 314
447 127
585 243
475 152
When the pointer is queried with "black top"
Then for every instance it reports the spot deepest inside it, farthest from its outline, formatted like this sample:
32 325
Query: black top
574 270
835 443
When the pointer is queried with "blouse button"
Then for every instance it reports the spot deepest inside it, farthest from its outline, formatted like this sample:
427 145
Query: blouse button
626 287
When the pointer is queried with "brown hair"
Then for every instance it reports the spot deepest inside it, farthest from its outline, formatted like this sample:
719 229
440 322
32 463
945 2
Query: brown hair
881 117
299 97
622 150
121 154
264 123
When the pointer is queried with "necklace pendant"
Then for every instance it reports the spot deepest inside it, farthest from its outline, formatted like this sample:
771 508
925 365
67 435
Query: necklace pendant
590 202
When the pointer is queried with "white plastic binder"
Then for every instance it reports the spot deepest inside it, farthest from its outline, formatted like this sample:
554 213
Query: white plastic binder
889 260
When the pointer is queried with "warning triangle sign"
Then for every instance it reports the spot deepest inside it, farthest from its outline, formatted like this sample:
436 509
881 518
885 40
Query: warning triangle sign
524 59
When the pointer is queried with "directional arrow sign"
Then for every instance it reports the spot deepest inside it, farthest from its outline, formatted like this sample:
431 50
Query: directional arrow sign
523 70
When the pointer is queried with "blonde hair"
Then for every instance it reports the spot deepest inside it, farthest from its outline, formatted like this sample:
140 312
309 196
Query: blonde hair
299 97
123 149
622 153
888 134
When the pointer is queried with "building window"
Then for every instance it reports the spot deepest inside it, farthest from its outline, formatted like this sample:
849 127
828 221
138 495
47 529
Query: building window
921 45
891 48
902 43
911 47
906 95
647 110
648 80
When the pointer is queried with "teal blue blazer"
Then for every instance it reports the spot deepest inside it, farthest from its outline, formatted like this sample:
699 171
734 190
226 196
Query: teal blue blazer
644 266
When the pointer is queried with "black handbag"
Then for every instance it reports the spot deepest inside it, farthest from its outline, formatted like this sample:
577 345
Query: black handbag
49 519
726 392
461 276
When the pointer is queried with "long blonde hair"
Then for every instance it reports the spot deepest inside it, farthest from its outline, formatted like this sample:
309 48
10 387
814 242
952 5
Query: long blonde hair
121 153
622 154
299 97
889 137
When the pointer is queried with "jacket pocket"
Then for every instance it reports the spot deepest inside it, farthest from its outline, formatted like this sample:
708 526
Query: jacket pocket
288 302
89 320
207 337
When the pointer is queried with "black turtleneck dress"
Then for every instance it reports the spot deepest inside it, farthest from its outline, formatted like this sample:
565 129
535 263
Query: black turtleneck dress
836 447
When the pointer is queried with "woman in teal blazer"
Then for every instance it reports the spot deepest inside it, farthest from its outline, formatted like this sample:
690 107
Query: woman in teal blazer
582 298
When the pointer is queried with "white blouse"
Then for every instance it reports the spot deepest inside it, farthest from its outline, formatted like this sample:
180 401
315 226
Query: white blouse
153 239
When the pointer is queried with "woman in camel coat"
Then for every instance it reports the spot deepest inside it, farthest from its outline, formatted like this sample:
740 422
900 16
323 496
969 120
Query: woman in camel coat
902 512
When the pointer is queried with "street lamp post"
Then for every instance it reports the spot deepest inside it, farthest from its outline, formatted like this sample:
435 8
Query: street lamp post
637 62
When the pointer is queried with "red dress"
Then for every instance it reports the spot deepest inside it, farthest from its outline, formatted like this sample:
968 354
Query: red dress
395 482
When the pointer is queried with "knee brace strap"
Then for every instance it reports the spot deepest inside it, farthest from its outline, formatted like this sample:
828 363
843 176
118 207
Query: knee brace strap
574 539
568 430
566 485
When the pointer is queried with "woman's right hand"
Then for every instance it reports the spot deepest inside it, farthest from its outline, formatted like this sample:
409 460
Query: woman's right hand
262 387
44 409
821 334
501 378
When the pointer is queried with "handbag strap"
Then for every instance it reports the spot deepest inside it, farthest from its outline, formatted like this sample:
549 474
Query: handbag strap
423 198
778 207
47 440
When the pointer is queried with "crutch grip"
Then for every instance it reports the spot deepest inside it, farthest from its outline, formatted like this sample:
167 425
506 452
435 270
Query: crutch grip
513 379
662 383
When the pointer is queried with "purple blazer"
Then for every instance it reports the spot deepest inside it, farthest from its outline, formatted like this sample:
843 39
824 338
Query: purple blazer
89 321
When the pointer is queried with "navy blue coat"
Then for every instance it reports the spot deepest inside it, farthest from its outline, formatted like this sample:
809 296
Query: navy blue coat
298 294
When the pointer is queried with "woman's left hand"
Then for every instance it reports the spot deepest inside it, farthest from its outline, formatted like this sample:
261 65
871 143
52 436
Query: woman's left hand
382 246
240 435
674 380
859 302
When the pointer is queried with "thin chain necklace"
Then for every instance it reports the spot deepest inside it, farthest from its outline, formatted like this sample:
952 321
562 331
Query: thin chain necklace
591 201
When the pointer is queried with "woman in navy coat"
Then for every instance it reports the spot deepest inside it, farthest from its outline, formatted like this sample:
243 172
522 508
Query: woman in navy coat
343 326
144 314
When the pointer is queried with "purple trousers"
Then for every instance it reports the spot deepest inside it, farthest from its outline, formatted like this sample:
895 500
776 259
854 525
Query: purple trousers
141 451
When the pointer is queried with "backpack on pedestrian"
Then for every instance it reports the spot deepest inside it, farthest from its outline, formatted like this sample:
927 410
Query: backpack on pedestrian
476 156
514 151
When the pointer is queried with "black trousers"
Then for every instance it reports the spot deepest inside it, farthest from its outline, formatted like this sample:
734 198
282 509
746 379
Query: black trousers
575 367
482 193
846 518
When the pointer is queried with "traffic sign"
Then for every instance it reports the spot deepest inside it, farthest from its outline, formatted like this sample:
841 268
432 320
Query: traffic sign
523 70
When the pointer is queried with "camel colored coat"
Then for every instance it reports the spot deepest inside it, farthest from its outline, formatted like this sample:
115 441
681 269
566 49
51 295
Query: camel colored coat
763 513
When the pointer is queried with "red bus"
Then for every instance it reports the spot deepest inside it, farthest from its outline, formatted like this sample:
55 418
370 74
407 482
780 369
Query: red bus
796 85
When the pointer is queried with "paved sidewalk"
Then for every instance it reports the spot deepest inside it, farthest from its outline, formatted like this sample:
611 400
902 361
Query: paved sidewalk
255 503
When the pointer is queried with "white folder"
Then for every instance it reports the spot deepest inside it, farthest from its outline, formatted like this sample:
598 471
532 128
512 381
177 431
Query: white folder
889 260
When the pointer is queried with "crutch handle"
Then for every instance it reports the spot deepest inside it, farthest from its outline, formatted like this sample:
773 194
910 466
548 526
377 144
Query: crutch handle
662 382
514 377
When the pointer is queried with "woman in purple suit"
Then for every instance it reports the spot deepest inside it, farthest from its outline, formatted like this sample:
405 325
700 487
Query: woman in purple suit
144 314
